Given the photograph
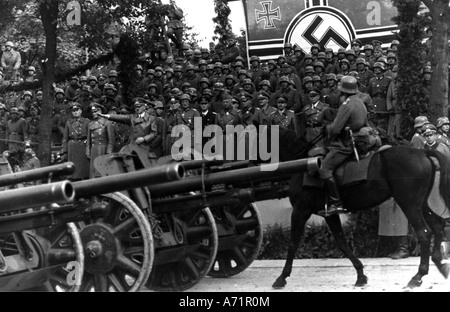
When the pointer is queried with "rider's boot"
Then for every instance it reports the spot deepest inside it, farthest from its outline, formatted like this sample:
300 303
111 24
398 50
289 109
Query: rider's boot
402 250
333 199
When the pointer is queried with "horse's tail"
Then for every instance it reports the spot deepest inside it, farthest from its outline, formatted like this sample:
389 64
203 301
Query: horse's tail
444 167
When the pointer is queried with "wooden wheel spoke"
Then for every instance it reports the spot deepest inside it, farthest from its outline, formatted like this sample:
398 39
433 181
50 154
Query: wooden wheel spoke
127 265
116 283
192 268
238 256
59 278
124 227
101 282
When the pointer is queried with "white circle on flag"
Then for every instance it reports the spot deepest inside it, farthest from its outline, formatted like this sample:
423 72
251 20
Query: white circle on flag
326 26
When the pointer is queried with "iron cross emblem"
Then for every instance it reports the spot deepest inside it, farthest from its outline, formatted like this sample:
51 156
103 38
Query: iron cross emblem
268 14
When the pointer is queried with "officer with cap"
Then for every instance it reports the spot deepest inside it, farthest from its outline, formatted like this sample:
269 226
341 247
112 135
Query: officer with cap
313 115
418 140
429 132
264 110
352 114
100 138
377 89
144 130
283 117
74 142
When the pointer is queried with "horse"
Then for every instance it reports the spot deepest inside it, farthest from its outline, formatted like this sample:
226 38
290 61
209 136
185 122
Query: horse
401 172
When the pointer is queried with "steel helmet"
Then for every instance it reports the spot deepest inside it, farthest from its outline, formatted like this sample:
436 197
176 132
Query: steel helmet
331 76
349 85
264 83
31 68
254 58
319 64
185 96
379 65
284 79
442 121
309 69
9 44
307 79
316 78
205 80
427 69
360 61
420 121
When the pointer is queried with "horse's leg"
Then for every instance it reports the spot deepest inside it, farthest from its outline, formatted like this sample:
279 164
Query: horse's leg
423 233
298 220
437 225
335 225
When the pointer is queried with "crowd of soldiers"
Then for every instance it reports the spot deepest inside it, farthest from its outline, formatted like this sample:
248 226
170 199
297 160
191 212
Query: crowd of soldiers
91 117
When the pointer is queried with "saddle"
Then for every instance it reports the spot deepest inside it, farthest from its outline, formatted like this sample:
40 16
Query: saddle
349 173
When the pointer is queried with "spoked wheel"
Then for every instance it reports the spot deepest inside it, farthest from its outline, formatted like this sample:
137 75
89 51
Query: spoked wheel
61 254
240 239
119 248
188 246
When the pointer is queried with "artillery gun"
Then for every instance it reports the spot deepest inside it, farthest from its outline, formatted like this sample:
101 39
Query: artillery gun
205 223
44 246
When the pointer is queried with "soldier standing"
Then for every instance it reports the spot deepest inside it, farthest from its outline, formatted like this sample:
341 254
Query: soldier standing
33 125
314 117
100 138
208 118
4 116
283 117
263 113
74 142
418 140
143 131
377 89
443 126
16 130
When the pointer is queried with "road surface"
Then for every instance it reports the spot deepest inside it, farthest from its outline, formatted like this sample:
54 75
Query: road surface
327 275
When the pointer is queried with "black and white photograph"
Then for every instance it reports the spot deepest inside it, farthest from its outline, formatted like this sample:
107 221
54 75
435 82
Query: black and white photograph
224 153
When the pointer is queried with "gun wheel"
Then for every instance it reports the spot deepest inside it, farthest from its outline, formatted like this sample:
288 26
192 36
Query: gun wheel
118 248
240 239
182 263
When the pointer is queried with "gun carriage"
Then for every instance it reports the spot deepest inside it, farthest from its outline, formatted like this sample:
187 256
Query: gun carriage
165 227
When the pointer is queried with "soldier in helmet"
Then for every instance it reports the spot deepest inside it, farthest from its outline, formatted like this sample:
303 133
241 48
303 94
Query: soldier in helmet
74 142
30 74
377 89
331 93
93 84
290 92
443 126
352 114
307 86
100 138
418 140
16 130
33 125
10 62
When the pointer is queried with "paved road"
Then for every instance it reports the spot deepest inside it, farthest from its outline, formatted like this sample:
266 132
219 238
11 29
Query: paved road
328 275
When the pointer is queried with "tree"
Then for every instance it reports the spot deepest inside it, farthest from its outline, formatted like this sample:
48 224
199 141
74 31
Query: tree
439 13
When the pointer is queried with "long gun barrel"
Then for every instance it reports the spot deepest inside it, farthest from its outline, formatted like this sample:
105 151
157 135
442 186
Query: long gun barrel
37 174
34 196
130 180
240 177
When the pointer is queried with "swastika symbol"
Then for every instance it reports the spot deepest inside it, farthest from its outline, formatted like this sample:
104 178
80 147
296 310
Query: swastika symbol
329 34
268 14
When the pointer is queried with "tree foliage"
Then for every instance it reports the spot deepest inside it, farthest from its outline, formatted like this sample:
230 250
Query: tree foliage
411 62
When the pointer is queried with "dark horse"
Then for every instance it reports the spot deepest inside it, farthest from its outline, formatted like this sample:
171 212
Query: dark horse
401 172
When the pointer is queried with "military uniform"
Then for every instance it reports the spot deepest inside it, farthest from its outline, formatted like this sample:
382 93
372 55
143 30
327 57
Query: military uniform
285 119
100 141
142 126
3 124
262 115
74 145
314 121
17 132
377 89
352 113
33 129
